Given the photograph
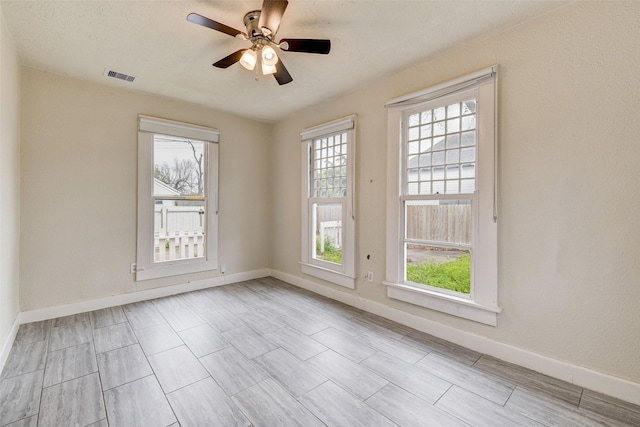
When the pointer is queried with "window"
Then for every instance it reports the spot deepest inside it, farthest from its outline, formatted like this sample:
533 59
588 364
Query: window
177 198
328 215
441 201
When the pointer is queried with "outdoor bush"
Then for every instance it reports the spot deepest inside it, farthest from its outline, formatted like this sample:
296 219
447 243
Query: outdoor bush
331 253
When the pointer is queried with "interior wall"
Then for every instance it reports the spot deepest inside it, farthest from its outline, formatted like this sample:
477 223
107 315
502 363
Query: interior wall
569 198
9 182
79 189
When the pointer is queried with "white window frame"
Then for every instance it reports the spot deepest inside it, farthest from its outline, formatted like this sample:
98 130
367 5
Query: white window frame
146 268
481 305
341 274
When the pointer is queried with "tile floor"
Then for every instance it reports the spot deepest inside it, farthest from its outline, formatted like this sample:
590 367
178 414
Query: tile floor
263 353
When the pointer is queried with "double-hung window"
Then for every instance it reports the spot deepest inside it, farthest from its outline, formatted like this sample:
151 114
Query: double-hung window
177 198
442 246
328 217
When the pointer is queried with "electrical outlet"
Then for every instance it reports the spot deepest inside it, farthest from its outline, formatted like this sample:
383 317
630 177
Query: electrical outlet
133 268
223 268
370 276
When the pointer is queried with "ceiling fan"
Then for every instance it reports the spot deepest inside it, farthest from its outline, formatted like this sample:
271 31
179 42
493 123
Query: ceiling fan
262 26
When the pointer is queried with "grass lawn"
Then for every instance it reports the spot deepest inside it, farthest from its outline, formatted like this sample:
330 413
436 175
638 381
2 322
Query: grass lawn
454 275
330 254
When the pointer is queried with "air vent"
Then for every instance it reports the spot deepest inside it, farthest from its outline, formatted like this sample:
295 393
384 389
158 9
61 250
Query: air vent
117 75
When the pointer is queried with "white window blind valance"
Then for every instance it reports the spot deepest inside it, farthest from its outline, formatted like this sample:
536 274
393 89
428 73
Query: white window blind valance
443 89
345 123
173 128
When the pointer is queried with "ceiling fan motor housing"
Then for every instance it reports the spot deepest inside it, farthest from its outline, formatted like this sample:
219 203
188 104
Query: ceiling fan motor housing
252 22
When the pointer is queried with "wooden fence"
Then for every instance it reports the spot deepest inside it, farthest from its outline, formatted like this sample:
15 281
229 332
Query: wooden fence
330 232
329 225
178 232
439 223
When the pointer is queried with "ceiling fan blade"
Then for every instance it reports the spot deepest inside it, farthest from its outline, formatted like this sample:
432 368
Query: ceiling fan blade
229 60
282 75
306 45
210 23
271 14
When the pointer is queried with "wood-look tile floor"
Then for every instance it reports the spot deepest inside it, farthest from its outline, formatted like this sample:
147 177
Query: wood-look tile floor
263 353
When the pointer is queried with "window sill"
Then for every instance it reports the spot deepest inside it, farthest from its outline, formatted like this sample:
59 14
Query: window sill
175 269
450 304
328 275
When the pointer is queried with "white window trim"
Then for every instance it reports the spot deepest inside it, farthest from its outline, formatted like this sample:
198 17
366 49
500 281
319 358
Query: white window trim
482 304
146 269
345 274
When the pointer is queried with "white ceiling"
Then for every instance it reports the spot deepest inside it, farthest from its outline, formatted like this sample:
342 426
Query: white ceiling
172 57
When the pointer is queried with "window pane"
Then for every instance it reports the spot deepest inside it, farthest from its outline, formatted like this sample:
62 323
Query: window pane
178 229
412 188
439 251
453 125
425 175
451 186
413 147
468 139
178 166
444 221
453 172
453 157
453 110
327 226
425 145
467 185
453 141
438 158
468 122
468 154
414 133
443 268
452 128
329 166
425 131
469 107
468 171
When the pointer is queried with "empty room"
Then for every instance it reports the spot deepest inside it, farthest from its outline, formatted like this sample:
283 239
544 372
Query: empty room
319 213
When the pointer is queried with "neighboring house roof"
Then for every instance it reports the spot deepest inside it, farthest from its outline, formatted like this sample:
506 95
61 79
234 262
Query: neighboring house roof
162 189
417 160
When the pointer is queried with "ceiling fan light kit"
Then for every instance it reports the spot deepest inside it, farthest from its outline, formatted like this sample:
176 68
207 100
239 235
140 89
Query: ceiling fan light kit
262 26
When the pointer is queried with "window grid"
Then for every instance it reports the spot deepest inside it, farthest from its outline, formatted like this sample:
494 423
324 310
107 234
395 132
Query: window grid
440 151
330 166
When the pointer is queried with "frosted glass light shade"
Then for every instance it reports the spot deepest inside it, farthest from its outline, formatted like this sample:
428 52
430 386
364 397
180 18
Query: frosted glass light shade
249 59
268 69
269 56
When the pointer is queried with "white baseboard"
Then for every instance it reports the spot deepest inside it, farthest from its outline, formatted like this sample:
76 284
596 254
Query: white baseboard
8 343
583 377
115 300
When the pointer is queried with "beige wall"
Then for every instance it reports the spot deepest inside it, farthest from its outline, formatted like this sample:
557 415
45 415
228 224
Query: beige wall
569 228
9 182
569 193
79 186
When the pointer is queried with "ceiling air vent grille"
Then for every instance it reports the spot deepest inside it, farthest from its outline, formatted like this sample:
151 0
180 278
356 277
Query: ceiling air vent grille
120 76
